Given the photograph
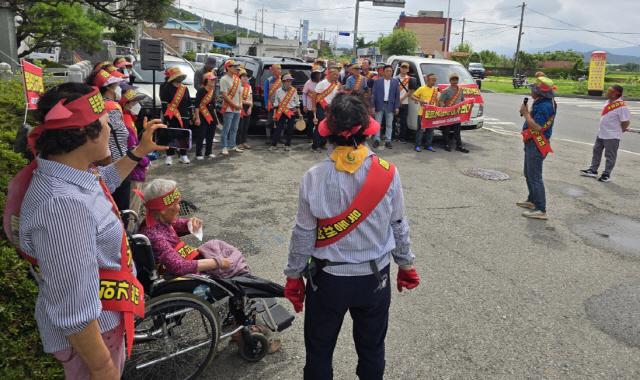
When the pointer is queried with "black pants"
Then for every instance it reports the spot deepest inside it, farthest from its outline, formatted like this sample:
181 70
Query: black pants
203 136
325 310
243 130
173 123
455 128
284 124
318 140
402 122
308 118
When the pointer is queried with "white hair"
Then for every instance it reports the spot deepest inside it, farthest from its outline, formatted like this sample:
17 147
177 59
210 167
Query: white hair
158 187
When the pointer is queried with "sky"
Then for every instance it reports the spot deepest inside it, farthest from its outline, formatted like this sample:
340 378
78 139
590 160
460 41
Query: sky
338 15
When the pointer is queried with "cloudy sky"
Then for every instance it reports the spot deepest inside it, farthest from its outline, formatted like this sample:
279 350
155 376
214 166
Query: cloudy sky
334 15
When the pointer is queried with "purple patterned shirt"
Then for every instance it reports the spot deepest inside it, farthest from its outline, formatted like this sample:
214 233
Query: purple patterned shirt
164 238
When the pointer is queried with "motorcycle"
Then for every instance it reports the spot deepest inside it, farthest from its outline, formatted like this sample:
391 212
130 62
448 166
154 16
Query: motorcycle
519 80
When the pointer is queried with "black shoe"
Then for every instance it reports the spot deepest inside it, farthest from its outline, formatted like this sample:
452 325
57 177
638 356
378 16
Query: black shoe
388 145
462 149
588 173
604 178
376 144
447 148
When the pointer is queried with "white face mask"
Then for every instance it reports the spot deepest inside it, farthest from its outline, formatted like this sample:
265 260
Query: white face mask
135 109
118 91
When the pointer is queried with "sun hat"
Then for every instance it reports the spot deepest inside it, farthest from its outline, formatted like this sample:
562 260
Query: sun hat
544 87
173 73
287 77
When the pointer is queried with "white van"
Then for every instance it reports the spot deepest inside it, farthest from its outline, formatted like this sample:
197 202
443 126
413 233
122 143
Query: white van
442 68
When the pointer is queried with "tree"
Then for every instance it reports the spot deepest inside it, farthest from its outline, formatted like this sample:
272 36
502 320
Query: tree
361 44
69 23
399 42
489 58
189 55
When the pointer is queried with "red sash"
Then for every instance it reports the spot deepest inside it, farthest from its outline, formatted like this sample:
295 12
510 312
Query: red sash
369 75
453 100
110 105
245 96
119 289
172 108
283 107
405 83
321 97
610 107
187 252
203 107
373 190
129 122
232 92
273 87
541 141
434 96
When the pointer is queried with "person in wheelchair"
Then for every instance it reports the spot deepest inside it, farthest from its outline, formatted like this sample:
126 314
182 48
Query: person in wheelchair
164 228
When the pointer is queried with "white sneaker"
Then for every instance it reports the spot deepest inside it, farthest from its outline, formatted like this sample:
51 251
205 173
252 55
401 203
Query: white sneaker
237 149
535 214
215 140
168 161
184 160
212 155
273 148
287 148
199 158
225 151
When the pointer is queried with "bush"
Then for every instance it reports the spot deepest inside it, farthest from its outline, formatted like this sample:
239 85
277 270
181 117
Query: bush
189 55
20 348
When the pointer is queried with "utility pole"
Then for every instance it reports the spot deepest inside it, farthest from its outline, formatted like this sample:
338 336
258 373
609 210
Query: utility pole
464 21
274 29
447 28
237 20
262 27
255 27
515 59
355 30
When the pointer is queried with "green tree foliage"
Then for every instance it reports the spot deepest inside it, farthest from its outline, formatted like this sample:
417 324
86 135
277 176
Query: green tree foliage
20 349
400 42
360 43
189 55
69 23
489 58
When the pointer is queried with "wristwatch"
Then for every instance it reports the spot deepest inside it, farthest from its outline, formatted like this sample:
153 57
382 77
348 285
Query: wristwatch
133 156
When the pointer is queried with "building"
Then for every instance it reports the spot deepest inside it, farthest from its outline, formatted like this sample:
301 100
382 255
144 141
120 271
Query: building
430 27
267 47
183 36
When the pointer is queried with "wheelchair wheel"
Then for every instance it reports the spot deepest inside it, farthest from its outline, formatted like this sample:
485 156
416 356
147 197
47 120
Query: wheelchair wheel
176 339
256 351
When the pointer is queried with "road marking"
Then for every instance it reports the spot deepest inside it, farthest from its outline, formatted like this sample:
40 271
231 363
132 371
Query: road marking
491 119
501 123
511 133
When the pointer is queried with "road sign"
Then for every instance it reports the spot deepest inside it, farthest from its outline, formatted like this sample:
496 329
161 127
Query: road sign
344 33
389 3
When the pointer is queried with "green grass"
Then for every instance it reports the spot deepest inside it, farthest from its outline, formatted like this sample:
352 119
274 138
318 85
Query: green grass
565 86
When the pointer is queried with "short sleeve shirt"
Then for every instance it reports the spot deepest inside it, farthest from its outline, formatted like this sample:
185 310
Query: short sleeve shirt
424 93
323 85
409 85
449 93
351 83
225 85
610 124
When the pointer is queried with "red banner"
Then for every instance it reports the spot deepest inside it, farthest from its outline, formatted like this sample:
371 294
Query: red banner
470 91
434 117
33 84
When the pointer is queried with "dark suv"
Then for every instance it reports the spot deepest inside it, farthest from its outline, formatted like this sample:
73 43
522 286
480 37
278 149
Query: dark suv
477 70
258 71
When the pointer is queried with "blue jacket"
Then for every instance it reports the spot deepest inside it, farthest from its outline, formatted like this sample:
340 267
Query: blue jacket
378 95
541 111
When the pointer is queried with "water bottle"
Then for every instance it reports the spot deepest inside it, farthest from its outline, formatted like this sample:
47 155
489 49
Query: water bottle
202 291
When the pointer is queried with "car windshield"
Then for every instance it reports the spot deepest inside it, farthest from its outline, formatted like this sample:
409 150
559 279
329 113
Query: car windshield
146 76
300 73
442 72
476 65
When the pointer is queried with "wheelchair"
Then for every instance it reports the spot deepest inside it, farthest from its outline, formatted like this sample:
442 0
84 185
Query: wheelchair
186 317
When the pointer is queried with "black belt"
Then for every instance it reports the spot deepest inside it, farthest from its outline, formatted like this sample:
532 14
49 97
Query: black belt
315 265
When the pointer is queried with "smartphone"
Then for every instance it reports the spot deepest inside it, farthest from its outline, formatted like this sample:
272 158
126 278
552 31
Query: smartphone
173 137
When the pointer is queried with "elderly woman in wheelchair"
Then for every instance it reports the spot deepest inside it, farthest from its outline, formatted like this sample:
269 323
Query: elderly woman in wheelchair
204 295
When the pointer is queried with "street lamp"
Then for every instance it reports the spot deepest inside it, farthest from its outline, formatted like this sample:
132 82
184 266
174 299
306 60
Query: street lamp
376 3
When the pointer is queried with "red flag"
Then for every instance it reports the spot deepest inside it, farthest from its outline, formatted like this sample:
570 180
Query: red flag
33 84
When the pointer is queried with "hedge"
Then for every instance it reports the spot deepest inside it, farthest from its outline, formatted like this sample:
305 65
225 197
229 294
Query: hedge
20 347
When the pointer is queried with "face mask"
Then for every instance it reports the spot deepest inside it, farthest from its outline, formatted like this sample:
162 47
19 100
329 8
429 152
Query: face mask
118 91
135 109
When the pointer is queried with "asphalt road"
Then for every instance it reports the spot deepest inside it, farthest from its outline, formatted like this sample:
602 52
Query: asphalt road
501 296
577 119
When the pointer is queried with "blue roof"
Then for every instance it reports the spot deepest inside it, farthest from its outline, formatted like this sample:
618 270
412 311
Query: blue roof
222 46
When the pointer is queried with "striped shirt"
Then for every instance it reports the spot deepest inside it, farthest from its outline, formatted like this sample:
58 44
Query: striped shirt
119 135
326 192
67 224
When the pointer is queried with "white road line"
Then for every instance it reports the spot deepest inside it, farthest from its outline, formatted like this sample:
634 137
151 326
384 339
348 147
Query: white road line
501 123
511 133
491 119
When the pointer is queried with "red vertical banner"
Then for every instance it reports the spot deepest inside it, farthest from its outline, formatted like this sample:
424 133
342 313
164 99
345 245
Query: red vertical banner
33 84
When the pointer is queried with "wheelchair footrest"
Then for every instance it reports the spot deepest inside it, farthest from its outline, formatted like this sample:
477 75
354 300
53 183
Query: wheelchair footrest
281 316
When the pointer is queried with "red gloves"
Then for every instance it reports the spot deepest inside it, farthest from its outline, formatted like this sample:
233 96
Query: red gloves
294 292
407 279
